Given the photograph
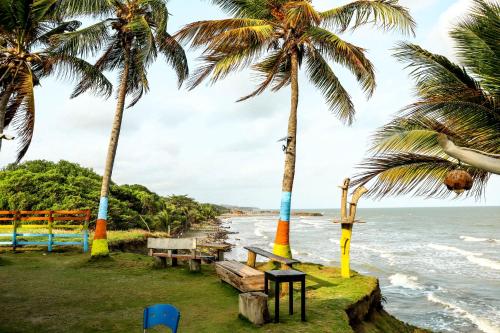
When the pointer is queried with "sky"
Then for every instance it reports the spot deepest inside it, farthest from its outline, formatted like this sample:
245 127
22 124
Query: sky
204 144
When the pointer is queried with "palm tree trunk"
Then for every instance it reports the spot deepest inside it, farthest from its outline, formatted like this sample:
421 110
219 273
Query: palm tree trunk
4 101
100 243
474 158
282 241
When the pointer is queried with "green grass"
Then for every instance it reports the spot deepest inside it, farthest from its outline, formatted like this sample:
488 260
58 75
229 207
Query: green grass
64 292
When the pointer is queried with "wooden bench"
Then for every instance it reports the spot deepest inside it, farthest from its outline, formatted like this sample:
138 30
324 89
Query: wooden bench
240 276
254 251
245 277
45 221
158 246
219 247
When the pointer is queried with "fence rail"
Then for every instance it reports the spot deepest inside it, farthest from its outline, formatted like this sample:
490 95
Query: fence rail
22 219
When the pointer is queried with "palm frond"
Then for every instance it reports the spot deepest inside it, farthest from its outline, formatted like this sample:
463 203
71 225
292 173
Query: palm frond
415 174
84 42
159 14
219 65
59 29
346 54
466 116
323 77
23 121
477 44
301 13
201 32
175 56
386 14
93 8
260 9
144 41
40 9
89 77
137 80
269 69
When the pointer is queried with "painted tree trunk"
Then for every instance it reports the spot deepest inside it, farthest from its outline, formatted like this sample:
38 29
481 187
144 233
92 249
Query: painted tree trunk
345 250
347 224
282 240
346 234
4 102
100 243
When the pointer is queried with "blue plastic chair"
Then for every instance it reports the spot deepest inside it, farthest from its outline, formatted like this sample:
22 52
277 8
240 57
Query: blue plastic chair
158 314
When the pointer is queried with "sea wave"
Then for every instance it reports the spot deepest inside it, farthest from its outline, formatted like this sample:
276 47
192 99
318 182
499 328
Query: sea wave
405 281
473 257
475 239
383 254
483 324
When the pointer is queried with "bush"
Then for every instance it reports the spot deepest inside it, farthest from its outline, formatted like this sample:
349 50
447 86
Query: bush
44 185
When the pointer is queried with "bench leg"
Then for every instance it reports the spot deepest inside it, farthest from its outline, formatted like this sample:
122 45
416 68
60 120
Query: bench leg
290 298
303 300
195 265
220 255
160 262
173 260
276 302
251 259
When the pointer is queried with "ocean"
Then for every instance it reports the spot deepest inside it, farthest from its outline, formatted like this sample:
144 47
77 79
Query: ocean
439 268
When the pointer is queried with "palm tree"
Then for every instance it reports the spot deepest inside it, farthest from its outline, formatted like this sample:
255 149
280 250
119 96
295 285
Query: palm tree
132 33
458 104
277 37
26 27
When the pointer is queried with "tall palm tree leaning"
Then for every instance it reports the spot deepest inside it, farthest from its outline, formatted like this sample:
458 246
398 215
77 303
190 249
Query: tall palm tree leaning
277 37
456 119
26 27
132 34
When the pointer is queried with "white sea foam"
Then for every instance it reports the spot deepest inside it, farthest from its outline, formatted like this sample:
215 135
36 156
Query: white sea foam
405 281
383 254
476 239
473 257
258 232
481 323
334 241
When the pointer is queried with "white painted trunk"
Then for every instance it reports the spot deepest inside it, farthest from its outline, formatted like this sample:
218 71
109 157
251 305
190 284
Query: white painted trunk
475 159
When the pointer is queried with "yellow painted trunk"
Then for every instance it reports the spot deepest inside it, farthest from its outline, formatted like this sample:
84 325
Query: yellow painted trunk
345 246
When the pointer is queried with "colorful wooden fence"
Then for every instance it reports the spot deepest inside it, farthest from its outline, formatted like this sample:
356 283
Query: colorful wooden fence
76 221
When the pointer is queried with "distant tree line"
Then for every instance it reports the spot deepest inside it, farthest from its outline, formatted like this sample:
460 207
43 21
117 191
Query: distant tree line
44 185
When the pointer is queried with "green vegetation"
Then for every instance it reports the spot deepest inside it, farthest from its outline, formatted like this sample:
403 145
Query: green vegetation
279 37
456 104
44 185
64 292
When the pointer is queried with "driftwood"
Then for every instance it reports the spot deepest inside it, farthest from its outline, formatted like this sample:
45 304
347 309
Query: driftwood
240 276
253 306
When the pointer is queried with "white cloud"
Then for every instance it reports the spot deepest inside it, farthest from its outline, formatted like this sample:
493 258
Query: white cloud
439 38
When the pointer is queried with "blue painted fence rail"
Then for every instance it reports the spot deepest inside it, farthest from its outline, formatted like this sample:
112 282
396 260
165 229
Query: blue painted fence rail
24 219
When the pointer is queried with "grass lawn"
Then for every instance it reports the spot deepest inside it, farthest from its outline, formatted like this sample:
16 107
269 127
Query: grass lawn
64 292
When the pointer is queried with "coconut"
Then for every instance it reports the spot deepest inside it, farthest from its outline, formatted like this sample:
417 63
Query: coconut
458 181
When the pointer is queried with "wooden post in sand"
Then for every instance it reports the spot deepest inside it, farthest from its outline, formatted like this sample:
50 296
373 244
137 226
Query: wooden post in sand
346 222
